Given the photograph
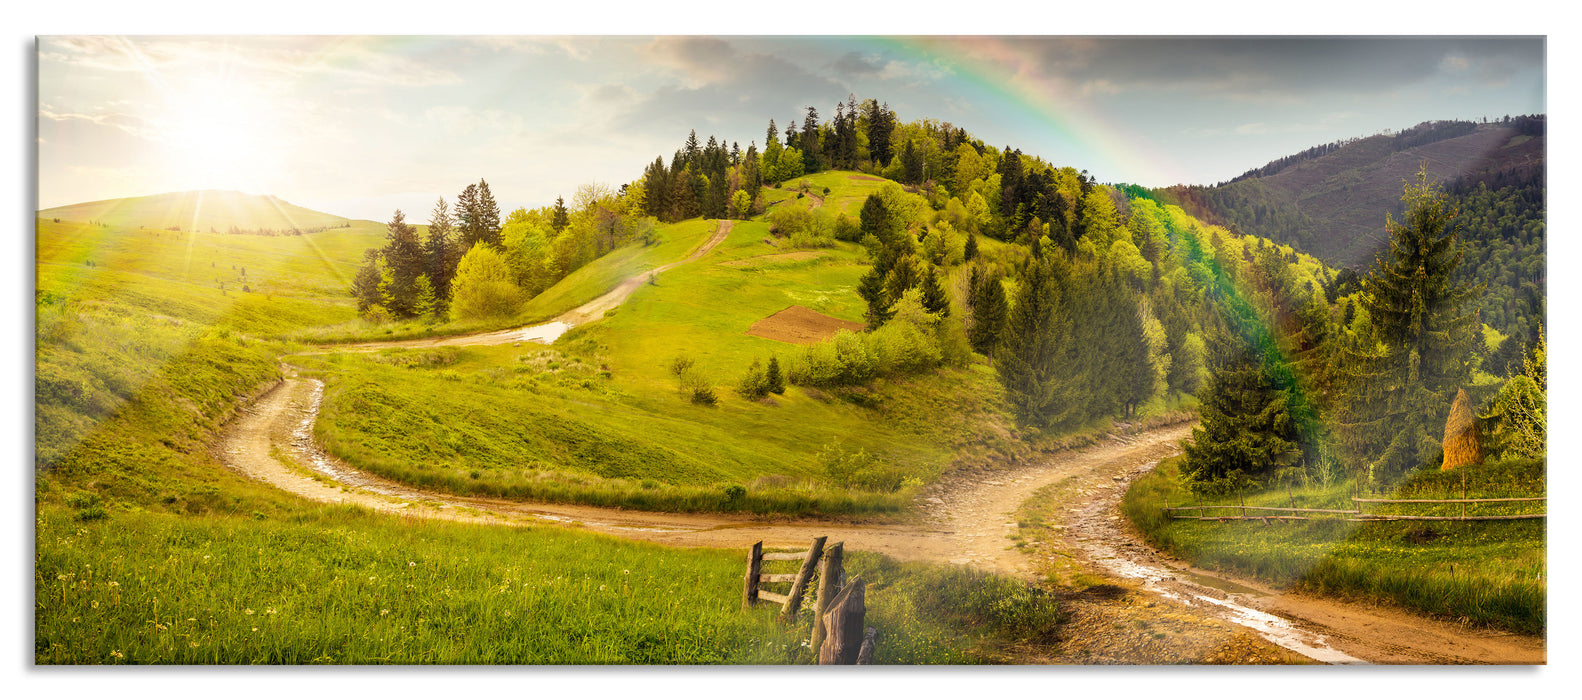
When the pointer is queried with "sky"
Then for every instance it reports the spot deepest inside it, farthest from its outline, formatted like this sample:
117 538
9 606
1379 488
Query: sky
362 125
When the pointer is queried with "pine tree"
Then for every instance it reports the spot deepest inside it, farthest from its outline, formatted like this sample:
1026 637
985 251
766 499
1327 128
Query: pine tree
1401 379
467 225
989 316
403 255
488 216
560 219
935 300
969 252
810 143
773 377
365 285
689 152
1027 360
1245 430
438 253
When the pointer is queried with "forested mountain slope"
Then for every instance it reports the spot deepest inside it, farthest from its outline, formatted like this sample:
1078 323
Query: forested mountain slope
1330 200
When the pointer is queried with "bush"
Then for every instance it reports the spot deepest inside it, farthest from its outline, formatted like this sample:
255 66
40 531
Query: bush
859 469
754 383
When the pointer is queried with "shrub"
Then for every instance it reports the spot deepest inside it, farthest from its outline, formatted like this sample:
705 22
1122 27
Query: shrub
859 469
754 383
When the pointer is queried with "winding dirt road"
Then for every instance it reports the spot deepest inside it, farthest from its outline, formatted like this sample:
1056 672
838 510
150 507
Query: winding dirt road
1150 610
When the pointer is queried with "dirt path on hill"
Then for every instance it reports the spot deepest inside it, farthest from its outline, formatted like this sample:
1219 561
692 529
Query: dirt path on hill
1154 610
545 332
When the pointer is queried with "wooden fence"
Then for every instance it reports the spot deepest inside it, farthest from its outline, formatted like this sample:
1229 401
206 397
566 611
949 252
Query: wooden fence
838 605
1358 516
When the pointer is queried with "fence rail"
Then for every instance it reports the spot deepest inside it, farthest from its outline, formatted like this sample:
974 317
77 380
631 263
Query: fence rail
1359 516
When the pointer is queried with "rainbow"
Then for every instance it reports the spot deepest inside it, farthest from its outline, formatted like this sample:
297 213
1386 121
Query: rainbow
1000 76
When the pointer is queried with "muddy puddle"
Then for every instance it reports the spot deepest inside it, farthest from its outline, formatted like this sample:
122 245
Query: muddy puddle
1109 545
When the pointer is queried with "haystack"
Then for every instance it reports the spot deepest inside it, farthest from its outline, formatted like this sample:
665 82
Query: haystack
1461 434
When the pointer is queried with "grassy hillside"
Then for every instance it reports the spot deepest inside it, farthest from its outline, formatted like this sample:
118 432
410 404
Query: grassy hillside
598 418
210 211
148 550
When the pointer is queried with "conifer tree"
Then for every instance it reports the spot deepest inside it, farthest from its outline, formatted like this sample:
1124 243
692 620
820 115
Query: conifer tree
1245 430
560 219
1401 379
439 255
810 143
989 315
1027 360
404 259
467 218
774 378
488 222
935 300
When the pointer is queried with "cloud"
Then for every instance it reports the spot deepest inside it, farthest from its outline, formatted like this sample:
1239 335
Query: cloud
709 81
128 123
1250 69
262 60
855 65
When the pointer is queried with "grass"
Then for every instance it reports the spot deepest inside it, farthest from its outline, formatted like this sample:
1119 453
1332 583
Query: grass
339 585
147 347
1488 573
597 418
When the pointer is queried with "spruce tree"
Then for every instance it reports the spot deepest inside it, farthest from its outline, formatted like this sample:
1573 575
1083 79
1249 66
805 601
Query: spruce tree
467 219
488 216
1027 360
1399 382
969 252
773 377
403 254
990 314
1245 431
560 219
438 253
935 300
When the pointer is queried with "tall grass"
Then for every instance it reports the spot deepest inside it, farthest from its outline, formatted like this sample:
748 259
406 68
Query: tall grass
1491 573
338 585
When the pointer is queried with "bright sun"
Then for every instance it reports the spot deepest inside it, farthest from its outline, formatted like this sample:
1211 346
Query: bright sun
216 138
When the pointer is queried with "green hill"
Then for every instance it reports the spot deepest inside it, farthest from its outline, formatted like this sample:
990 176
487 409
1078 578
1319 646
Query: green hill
215 211
1331 200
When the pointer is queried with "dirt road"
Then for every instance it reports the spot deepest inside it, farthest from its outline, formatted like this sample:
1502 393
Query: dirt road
1155 611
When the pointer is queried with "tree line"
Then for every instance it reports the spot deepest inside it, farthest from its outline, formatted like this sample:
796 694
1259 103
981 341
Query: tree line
470 264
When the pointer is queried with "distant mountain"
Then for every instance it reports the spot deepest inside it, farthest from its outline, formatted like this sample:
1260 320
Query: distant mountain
200 210
1331 200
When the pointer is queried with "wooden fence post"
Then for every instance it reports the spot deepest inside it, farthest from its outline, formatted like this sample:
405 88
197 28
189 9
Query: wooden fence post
1464 494
755 562
844 625
865 654
794 601
829 570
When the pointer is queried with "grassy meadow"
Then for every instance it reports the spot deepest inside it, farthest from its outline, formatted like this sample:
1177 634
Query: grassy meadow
339 585
149 551
1489 573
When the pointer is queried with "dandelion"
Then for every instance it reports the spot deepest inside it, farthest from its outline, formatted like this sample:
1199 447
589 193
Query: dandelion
113 584
382 613
411 563
255 629
248 611
270 611
117 654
